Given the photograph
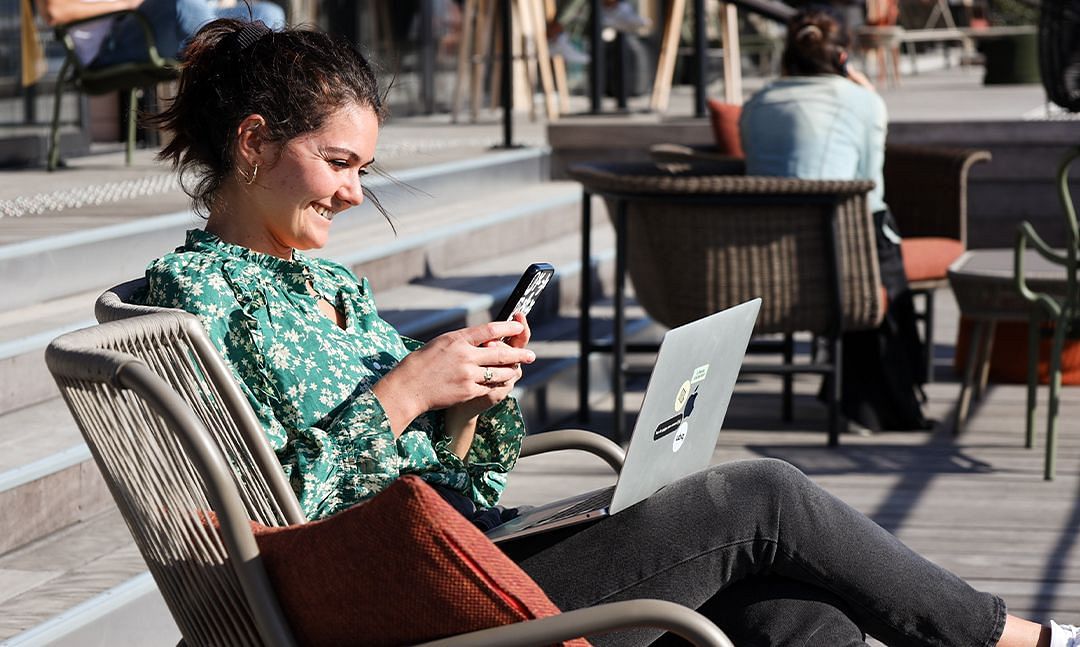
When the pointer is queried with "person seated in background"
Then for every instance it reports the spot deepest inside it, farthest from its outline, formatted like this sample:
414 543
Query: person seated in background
822 120
116 40
276 133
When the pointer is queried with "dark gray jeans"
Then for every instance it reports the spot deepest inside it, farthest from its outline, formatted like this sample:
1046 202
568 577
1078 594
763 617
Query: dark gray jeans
771 557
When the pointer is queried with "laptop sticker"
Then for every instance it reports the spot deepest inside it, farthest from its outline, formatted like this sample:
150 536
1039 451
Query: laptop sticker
699 374
681 395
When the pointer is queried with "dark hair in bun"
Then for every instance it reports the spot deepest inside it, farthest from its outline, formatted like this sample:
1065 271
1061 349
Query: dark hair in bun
814 43
231 69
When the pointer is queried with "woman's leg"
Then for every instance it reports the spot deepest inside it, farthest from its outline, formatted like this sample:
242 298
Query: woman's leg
173 22
770 611
757 518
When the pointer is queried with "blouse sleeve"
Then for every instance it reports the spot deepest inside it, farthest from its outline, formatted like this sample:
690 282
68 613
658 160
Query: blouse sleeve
348 456
494 451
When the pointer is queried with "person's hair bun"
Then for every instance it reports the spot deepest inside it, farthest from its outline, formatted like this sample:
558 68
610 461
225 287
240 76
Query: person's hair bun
809 33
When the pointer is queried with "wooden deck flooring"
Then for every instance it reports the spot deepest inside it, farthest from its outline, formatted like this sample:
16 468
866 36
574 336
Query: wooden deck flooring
975 504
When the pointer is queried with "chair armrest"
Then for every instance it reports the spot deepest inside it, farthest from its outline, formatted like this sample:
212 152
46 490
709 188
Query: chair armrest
659 614
144 24
1025 232
926 188
587 441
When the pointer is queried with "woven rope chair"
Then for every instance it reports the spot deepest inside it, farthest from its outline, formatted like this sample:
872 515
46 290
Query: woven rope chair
166 473
697 239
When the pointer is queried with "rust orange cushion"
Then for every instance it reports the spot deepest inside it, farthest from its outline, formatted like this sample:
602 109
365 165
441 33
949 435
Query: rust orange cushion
400 569
725 125
929 257
1008 357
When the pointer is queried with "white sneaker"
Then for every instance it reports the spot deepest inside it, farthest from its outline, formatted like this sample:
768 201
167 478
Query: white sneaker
1064 635
623 17
562 46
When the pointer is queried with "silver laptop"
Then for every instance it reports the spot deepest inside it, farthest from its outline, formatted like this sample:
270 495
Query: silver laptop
677 427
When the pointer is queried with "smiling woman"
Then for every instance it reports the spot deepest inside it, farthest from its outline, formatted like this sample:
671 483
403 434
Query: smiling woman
273 133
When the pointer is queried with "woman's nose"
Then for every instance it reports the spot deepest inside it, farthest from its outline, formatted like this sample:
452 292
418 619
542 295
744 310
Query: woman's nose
352 192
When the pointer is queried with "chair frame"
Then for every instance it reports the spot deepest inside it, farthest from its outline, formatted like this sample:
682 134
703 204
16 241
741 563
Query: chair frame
1062 311
94 357
124 76
931 201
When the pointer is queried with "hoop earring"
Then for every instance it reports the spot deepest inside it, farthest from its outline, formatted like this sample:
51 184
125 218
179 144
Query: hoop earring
250 179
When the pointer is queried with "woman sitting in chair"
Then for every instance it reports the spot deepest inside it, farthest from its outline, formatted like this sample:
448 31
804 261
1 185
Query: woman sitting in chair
823 121
273 133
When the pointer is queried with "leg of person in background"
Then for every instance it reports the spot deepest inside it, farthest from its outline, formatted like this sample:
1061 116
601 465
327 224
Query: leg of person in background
172 21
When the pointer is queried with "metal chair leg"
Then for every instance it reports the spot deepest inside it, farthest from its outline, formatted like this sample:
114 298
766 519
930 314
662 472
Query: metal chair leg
787 412
1032 379
928 335
836 418
54 134
1060 327
964 402
133 109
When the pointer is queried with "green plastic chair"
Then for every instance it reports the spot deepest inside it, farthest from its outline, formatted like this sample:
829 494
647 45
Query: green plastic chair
1062 310
128 77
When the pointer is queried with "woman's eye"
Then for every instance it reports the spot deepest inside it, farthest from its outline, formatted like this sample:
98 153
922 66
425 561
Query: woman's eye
364 172
339 163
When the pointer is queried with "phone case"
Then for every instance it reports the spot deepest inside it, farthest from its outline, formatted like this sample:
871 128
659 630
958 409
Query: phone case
527 291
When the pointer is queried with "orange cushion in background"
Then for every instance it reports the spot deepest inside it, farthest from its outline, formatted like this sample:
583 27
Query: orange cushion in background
725 124
400 569
1008 358
929 257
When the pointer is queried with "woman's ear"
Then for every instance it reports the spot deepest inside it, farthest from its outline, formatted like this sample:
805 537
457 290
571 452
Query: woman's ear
251 141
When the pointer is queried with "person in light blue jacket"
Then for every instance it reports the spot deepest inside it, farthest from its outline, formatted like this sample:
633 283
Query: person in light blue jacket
822 120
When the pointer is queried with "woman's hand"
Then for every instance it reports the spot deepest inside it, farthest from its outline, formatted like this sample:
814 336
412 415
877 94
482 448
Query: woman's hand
859 78
472 368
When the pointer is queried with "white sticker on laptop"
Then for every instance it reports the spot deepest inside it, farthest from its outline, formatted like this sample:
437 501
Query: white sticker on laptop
680 436
681 395
699 374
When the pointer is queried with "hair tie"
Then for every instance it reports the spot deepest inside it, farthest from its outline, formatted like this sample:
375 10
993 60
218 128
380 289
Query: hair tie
807 30
250 33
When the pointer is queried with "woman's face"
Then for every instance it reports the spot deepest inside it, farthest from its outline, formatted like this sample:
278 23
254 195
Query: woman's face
316 176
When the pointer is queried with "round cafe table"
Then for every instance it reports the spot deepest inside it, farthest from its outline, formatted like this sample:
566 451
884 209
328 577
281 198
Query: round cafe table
984 285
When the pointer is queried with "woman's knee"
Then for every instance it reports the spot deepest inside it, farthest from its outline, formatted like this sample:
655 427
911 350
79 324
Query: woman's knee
765 474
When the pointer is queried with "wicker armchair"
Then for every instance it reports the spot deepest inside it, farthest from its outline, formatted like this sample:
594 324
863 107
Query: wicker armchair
176 440
926 190
697 239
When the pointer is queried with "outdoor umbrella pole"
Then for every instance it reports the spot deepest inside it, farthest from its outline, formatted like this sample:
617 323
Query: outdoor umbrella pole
699 58
596 65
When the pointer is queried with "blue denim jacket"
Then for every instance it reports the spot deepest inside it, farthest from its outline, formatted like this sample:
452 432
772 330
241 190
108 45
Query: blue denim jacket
816 128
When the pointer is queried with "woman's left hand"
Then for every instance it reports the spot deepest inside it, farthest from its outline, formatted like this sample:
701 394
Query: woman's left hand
498 392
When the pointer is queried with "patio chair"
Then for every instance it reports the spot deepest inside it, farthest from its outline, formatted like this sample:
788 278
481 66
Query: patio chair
126 77
697 239
926 190
1061 310
189 505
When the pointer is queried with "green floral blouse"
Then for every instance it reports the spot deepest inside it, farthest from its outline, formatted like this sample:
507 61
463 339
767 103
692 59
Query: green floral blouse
310 381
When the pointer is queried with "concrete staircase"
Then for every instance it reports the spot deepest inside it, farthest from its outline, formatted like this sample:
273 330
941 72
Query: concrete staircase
69 572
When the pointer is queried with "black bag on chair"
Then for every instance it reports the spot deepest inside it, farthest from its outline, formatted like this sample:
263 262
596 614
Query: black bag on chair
883 368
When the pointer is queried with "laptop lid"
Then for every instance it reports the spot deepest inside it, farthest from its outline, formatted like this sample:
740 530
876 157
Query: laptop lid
685 402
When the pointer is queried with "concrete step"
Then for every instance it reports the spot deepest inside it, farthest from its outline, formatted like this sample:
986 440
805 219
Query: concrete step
65 257
429 241
48 482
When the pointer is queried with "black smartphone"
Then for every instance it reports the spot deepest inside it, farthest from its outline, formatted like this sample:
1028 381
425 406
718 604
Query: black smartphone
527 290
